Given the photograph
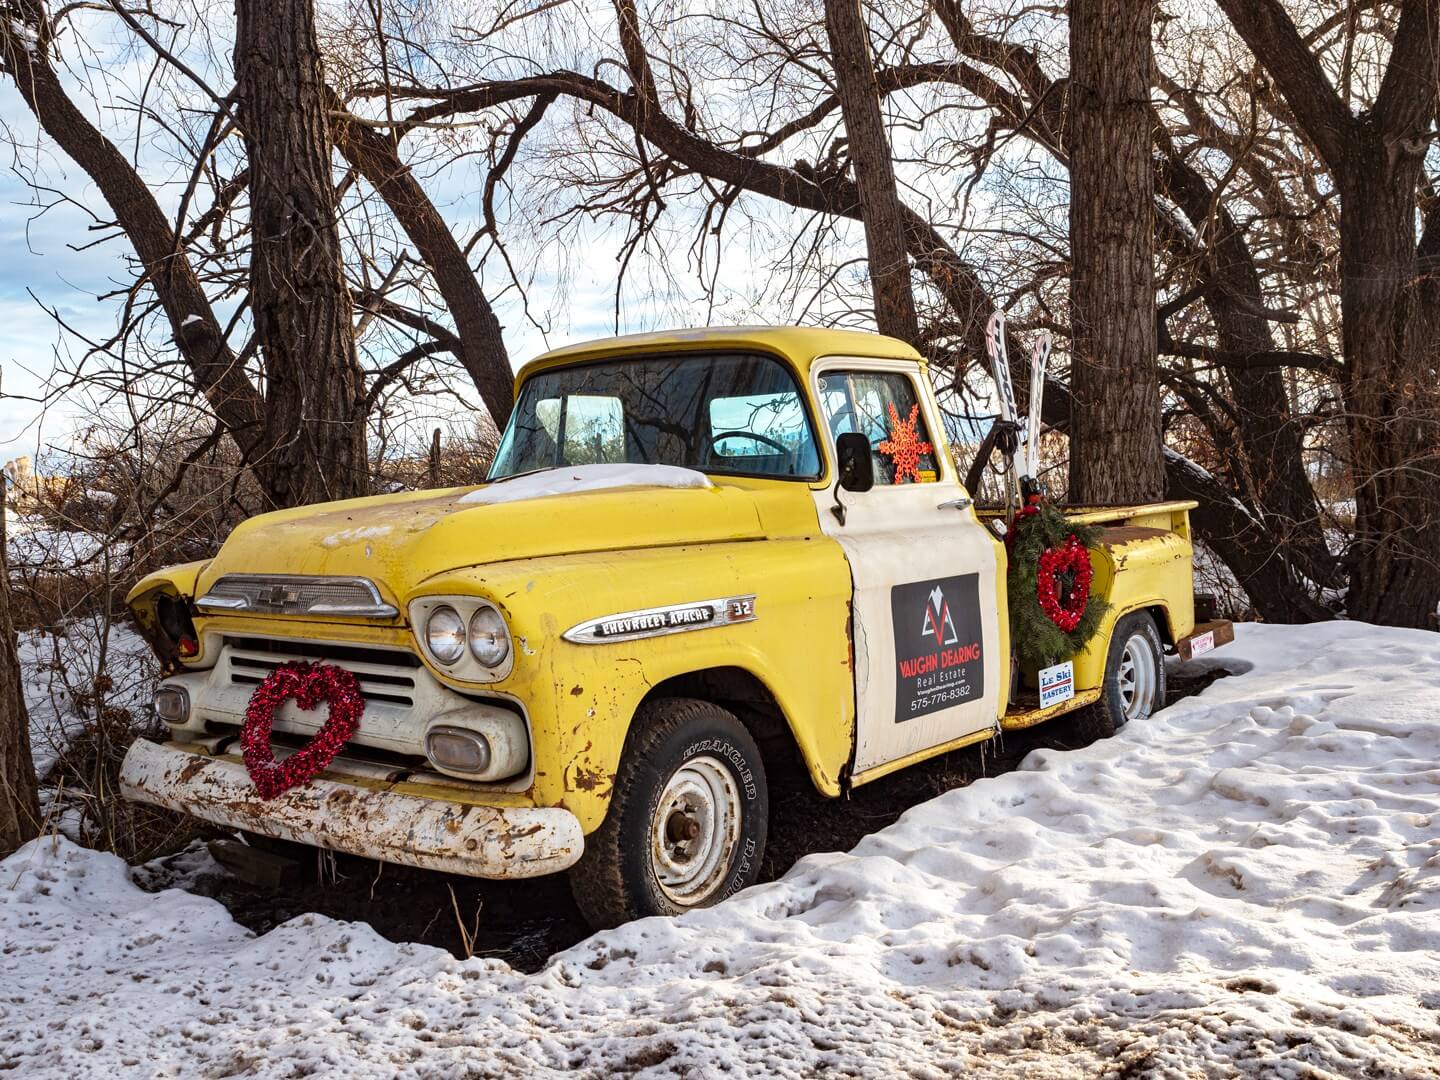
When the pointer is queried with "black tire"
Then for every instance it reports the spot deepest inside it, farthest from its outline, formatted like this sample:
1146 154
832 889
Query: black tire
1119 705
690 747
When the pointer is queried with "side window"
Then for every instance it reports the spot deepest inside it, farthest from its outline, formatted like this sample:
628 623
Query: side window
762 434
884 407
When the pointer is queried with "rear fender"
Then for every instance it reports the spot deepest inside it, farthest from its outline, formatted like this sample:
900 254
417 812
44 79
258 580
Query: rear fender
1138 568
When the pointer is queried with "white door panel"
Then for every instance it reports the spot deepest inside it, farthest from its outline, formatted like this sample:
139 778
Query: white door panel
926 624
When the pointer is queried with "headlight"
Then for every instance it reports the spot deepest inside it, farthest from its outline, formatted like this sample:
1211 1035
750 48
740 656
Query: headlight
445 635
489 639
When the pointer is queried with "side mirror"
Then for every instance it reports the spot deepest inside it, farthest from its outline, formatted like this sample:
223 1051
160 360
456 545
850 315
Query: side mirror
856 465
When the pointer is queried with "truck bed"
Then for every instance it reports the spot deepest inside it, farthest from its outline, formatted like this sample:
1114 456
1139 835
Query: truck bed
1170 516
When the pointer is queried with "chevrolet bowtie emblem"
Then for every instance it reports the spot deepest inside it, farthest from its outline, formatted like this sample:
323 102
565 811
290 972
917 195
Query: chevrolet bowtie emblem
280 595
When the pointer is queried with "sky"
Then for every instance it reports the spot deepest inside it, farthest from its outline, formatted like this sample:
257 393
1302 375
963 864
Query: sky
44 265
40 265
571 287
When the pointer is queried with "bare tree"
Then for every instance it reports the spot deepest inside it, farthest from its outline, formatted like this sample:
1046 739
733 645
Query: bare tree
19 805
476 340
279 370
1115 435
1389 294
27 41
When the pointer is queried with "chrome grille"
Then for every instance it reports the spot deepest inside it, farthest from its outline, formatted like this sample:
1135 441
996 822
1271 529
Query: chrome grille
292 594
384 675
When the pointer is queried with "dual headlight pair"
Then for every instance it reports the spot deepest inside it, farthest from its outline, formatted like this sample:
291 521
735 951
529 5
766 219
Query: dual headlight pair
449 635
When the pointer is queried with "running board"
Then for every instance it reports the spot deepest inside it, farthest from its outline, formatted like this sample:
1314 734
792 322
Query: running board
1022 714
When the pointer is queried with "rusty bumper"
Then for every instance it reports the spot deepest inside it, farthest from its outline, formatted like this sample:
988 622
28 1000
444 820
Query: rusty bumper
478 841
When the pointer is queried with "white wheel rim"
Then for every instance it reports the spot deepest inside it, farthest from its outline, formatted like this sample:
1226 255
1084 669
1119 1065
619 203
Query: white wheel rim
1139 678
695 830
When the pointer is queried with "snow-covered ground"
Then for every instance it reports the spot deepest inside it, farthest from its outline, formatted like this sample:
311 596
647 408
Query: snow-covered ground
1248 884
34 546
55 669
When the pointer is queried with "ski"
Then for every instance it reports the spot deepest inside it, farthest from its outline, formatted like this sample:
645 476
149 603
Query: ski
1039 358
1005 391
1000 364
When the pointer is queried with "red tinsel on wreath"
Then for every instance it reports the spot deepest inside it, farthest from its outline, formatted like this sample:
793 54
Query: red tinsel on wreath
309 684
1029 509
1069 556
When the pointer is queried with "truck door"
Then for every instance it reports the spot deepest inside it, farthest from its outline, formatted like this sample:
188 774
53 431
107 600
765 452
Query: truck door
930 663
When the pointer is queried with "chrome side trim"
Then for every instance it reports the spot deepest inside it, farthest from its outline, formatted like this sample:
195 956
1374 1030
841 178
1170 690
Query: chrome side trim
659 621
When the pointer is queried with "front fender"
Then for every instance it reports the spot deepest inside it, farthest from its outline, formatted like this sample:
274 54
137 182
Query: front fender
581 698
174 581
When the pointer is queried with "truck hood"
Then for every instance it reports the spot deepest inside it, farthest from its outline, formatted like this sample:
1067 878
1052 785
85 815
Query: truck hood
398 541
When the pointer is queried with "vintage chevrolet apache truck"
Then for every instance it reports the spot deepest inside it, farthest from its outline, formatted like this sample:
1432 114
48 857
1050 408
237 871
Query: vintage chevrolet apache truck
691 564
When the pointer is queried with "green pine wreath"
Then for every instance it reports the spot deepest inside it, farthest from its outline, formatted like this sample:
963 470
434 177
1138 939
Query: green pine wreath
1037 641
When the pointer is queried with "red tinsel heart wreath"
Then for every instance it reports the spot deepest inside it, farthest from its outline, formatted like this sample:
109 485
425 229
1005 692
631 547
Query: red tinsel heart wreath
309 684
1070 556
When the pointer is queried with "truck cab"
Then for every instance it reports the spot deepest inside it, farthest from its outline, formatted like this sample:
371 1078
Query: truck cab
697 555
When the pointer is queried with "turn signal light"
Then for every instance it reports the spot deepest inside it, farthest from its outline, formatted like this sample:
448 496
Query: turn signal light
457 749
172 704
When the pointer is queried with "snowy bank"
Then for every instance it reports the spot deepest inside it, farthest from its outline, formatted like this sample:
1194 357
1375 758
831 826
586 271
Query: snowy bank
57 669
1247 884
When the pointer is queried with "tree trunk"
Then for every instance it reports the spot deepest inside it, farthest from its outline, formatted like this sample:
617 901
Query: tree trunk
1389 315
19 803
874 171
314 447
1115 435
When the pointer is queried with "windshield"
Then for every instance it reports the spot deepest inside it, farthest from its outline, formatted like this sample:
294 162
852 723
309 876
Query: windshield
729 413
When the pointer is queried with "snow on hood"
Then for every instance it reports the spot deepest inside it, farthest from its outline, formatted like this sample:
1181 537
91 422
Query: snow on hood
1247 884
577 478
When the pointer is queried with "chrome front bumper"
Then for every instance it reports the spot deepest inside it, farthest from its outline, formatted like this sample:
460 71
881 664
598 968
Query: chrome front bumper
411 830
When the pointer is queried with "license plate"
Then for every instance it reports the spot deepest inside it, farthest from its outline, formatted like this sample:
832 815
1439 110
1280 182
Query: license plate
1057 684
1202 643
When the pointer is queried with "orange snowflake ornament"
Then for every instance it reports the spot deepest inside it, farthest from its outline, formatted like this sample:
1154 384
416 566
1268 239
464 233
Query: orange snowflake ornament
904 447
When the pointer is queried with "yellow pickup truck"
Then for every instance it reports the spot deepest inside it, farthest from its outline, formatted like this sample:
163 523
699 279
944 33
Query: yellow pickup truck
699 555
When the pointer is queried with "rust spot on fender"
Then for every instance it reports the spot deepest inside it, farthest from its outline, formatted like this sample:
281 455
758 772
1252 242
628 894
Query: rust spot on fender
1119 535
591 779
576 691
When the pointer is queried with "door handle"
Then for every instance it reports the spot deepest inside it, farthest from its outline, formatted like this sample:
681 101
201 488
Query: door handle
956 504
